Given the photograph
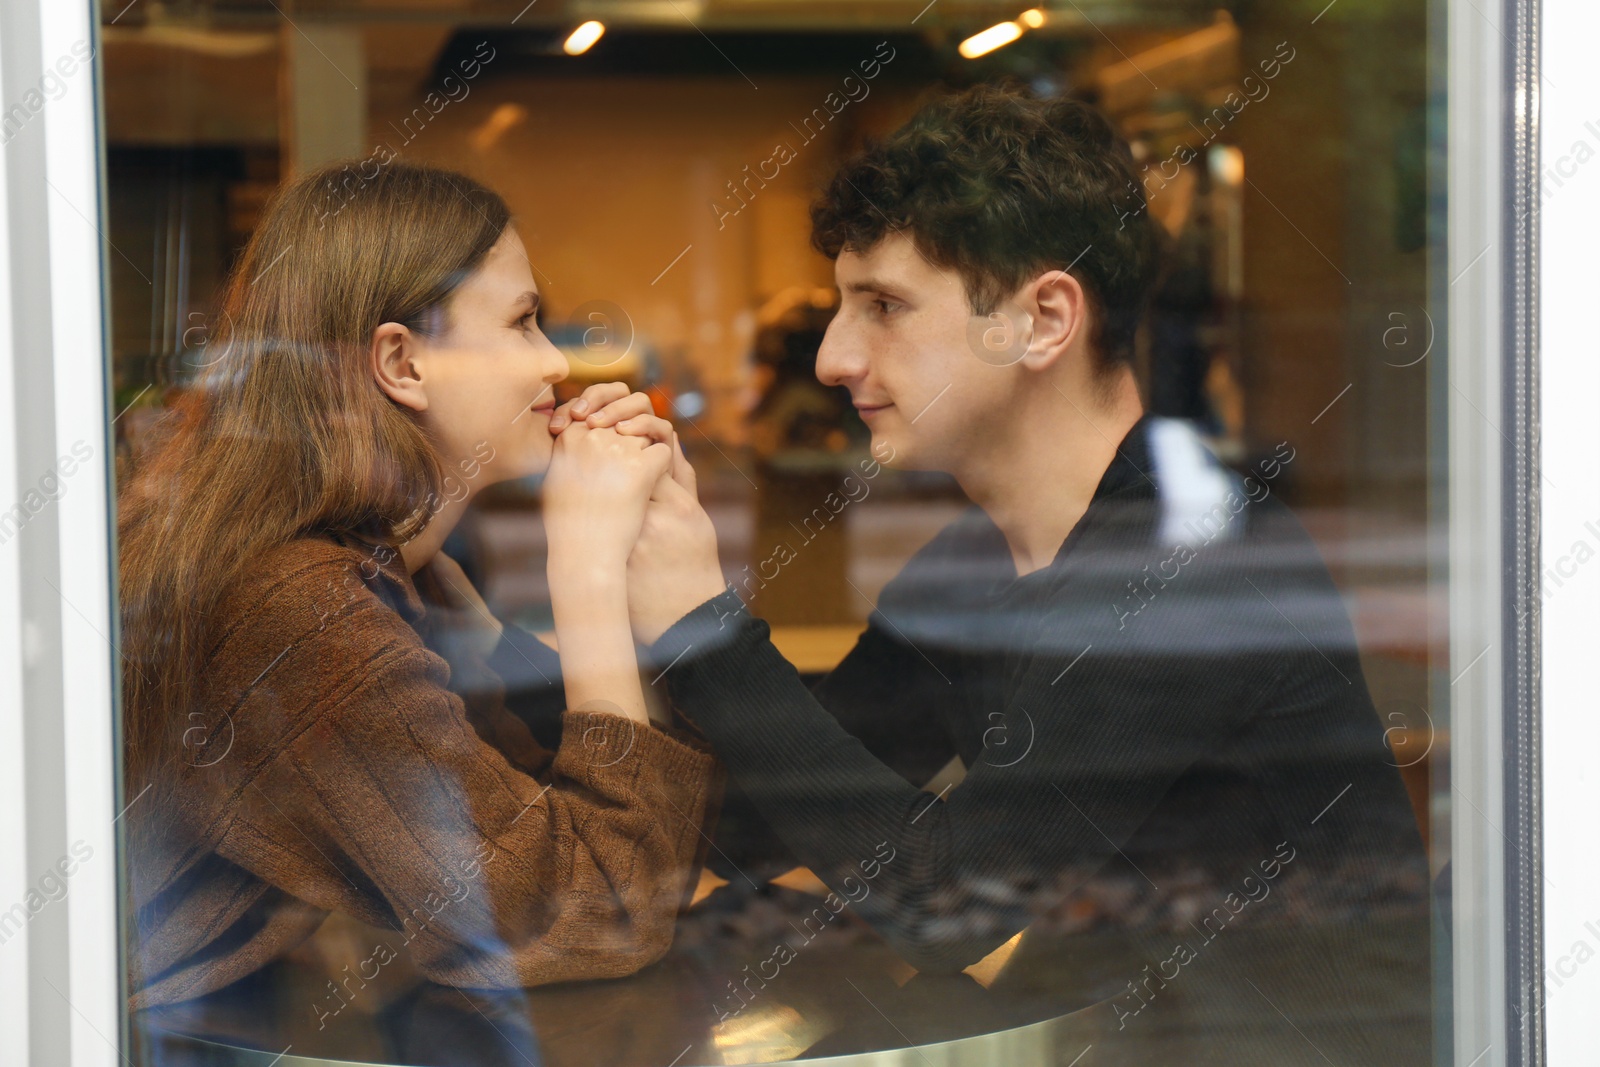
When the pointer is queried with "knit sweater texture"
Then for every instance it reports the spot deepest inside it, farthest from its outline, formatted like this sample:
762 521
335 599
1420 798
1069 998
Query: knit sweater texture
334 768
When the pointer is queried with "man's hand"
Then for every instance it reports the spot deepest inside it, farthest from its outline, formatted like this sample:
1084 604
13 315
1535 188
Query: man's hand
673 568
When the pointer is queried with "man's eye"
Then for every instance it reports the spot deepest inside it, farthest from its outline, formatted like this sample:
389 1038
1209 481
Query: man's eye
884 306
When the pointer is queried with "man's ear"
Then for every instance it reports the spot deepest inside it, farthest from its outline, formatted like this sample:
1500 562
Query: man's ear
394 366
1060 311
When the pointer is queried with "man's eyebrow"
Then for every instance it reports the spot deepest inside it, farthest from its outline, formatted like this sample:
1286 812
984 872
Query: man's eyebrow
873 285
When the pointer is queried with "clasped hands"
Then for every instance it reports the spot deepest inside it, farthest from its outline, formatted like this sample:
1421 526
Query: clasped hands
621 506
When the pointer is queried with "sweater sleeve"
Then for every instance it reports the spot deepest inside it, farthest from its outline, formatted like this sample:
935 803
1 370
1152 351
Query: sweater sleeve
363 787
892 699
944 882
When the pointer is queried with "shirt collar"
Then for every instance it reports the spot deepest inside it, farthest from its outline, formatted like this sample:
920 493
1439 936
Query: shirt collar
1127 478
383 569
1132 466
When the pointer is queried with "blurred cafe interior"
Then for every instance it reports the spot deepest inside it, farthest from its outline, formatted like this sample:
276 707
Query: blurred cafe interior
660 157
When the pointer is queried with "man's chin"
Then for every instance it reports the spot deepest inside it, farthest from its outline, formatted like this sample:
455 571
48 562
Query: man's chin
896 451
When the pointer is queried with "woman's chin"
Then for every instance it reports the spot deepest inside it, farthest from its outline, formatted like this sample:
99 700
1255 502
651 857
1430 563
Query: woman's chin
534 464
519 472
529 462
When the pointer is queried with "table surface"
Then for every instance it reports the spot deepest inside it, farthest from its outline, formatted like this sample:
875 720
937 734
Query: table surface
844 999
843 993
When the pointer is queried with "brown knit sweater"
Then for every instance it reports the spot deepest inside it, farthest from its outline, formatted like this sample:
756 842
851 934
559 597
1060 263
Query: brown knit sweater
337 772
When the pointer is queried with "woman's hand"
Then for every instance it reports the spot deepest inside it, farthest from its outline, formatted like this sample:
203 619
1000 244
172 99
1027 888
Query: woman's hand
594 504
609 404
595 494
674 567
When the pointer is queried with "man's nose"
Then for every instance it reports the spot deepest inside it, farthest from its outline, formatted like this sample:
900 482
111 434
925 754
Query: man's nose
835 363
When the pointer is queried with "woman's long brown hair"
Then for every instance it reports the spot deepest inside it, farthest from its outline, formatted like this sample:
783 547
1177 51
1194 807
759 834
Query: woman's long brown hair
285 432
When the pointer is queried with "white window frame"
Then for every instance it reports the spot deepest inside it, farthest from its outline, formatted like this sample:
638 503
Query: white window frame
1569 504
60 985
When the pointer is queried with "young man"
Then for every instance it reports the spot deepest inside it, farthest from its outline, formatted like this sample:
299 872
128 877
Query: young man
1138 655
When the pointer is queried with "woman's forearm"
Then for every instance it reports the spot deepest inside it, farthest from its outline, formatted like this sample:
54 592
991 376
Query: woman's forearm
598 664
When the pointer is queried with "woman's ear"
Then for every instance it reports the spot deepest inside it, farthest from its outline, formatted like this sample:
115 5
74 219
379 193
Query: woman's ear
1060 318
394 366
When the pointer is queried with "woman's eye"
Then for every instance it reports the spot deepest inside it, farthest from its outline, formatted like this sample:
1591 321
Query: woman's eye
527 320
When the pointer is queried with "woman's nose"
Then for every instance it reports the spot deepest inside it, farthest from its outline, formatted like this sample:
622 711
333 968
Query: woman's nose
557 366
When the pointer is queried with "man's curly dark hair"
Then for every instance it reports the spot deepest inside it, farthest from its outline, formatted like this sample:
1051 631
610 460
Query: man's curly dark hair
1002 186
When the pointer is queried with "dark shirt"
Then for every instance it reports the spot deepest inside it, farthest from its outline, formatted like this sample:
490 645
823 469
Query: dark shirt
1174 706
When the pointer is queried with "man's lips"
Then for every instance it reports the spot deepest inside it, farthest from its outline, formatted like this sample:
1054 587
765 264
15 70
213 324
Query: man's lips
866 411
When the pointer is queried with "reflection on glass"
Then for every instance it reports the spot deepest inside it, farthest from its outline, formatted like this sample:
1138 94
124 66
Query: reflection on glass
983 595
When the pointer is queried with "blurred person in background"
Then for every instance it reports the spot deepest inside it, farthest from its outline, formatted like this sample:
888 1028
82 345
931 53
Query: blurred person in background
803 434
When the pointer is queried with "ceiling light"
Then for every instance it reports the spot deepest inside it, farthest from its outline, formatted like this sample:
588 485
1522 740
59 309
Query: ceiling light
583 38
981 44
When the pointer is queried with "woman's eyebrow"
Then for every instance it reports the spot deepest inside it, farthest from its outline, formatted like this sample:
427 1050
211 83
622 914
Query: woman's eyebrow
529 298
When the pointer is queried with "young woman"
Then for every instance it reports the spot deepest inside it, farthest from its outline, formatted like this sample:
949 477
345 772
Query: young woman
293 746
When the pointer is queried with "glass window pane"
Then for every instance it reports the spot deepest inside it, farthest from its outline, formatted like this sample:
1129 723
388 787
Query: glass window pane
1032 589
